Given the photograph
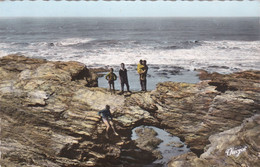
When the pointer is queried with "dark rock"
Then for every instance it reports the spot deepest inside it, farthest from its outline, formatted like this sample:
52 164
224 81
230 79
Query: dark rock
147 140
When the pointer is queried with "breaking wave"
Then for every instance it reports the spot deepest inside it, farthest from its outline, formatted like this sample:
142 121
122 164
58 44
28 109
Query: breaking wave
214 56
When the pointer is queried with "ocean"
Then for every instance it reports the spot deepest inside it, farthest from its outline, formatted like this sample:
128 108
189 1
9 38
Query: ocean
173 47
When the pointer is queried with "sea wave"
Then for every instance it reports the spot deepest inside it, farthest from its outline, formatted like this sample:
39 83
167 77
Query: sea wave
71 41
180 45
208 55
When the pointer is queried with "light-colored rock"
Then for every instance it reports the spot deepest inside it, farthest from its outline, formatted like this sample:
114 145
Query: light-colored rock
133 114
37 97
98 99
62 141
8 87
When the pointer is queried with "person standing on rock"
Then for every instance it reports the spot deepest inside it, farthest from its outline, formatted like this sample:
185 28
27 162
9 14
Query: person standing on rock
140 66
123 78
143 76
111 77
140 70
107 119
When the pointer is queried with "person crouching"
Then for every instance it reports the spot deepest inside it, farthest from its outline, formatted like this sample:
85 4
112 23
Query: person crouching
107 119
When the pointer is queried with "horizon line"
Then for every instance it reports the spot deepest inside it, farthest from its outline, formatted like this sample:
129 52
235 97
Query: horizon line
130 17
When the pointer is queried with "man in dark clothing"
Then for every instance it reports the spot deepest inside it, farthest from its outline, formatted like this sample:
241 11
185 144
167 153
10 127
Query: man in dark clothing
107 119
143 76
123 78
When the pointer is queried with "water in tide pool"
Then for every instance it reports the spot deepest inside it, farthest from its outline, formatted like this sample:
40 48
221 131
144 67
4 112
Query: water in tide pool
171 46
167 147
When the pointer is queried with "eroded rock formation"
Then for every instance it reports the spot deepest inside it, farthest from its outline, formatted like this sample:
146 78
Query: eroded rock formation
238 146
49 117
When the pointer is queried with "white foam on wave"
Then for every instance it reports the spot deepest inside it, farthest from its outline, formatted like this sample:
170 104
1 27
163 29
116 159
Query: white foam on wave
3 53
62 42
219 56
235 56
4 50
40 45
73 41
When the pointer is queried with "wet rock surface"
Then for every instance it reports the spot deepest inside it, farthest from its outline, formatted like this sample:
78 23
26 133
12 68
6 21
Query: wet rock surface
49 117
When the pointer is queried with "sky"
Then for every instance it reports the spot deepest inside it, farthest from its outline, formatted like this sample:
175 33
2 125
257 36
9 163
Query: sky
177 8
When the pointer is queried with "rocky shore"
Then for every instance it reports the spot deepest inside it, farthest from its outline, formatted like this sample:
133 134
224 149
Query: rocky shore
49 117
